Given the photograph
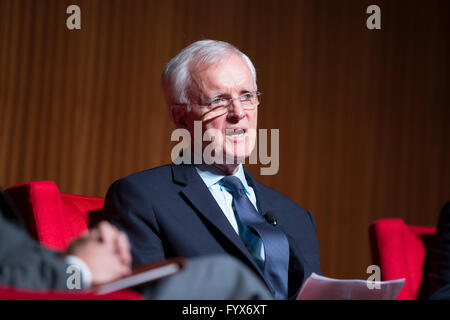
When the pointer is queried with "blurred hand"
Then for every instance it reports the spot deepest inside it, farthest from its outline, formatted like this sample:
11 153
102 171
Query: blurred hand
105 250
107 233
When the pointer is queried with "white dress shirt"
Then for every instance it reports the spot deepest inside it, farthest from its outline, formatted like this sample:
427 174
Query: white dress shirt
211 176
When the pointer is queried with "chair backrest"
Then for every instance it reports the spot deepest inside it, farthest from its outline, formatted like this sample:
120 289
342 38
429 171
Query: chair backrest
400 251
53 218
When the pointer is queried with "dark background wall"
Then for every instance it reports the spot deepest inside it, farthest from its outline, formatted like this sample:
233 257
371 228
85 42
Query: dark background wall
363 115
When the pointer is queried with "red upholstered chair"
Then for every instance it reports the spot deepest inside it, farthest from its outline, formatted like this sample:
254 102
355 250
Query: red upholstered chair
20 294
400 251
54 219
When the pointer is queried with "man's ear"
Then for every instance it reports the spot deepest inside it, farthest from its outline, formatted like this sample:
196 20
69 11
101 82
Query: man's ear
178 114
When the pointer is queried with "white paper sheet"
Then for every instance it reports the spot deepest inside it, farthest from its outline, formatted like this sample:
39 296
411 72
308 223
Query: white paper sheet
318 287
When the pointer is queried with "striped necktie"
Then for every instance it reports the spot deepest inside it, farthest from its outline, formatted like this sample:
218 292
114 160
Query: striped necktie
276 245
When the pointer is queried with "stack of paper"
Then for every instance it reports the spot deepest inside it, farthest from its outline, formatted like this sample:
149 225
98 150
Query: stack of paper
317 287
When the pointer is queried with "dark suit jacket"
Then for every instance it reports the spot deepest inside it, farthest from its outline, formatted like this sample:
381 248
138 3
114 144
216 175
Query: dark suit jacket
438 258
23 262
168 212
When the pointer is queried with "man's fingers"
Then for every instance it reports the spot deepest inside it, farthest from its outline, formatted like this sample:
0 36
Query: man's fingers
117 239
108 232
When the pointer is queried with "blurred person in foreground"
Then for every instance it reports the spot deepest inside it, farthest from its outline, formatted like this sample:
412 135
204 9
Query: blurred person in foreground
439 258
103 255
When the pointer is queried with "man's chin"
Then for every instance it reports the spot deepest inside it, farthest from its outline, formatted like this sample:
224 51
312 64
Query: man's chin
235 158
237 153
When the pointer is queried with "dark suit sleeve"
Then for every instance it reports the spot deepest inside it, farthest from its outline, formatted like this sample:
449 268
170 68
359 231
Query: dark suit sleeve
129 208
314 245
439 258
26 264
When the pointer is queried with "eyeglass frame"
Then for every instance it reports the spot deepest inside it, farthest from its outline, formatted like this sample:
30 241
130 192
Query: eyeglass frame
230 101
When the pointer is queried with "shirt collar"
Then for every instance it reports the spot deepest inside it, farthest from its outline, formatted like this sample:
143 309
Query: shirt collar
212 175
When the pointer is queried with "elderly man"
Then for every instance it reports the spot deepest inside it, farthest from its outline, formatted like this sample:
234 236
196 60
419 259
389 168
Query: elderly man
214 206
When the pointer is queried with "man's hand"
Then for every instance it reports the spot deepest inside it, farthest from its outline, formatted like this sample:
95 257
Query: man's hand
105 250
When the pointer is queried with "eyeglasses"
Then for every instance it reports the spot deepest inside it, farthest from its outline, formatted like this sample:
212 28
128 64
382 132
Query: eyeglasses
220 105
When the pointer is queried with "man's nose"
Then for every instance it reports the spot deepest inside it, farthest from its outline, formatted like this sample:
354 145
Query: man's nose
236 112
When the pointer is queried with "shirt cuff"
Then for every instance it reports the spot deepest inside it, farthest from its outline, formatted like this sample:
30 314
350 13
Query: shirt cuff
86 274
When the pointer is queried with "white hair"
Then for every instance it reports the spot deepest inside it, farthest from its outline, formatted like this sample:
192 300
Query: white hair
176 75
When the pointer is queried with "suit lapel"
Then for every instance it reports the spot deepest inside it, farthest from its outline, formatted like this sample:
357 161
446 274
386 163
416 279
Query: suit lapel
197 194
264 206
